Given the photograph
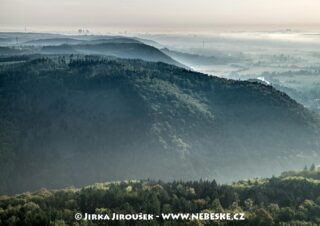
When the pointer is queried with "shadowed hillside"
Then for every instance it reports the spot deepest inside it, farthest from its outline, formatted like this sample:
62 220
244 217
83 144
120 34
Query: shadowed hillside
75 121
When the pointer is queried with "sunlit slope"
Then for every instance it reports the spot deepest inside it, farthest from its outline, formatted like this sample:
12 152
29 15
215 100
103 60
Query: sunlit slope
285 200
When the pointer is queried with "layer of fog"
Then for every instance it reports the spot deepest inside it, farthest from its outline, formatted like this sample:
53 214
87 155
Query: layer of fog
288 59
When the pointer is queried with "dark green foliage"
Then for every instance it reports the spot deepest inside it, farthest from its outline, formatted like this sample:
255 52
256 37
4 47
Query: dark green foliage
75 120
262 201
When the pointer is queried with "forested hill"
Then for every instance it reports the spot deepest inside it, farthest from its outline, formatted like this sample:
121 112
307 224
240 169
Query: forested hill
19 44
80 120
120 49
286 201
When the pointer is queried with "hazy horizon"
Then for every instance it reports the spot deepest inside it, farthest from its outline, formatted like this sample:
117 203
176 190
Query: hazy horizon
155 16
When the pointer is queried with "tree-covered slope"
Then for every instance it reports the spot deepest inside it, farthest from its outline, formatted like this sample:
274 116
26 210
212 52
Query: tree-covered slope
19 44
117 48
285 201
75 121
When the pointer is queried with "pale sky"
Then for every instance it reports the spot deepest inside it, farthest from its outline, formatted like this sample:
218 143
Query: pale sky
156 13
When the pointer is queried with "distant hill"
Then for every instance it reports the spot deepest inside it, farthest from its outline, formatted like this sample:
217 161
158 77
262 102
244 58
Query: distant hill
53 41
18 38
150 43
54 44
72 41
121 48
79 120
